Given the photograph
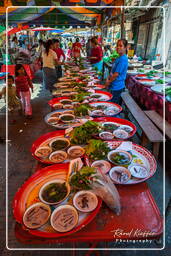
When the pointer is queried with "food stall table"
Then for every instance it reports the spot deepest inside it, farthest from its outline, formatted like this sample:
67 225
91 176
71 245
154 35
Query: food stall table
140 219
11 70
147 97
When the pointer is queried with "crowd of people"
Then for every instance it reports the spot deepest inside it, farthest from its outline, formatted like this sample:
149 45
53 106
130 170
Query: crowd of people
52 55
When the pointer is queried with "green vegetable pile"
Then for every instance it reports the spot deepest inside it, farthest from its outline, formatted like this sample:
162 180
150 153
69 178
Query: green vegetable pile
82 134
159 81
80 97
151 73
82 110
97 149
82 179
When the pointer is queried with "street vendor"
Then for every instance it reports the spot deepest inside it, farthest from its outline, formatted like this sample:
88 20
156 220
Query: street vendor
96 54
116 80
60 55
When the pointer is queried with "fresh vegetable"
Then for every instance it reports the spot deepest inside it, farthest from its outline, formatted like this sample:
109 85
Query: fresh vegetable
159 81
80 97
82 110
97 149
82 134
82 179
168 91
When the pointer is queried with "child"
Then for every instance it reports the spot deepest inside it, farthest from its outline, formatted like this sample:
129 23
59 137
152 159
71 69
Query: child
13 101
23 85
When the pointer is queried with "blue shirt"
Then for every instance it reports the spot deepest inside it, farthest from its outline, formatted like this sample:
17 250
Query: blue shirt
120 66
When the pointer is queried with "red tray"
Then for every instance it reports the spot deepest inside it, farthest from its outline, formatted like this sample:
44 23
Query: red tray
28 195
139 213
106 93
119 121
42 139
56 100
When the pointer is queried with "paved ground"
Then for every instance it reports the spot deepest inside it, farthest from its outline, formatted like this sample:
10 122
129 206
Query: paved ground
21 166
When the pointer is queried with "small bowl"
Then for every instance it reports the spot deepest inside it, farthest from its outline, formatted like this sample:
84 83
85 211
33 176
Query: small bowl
69 112
71 117
56 181
79 151
126 128
111 112
53 120
97 113
68 106
56 114
122 153
103 165
65 101
64 223
58 106
45 149
88 196
59 139
106 135
120 134
138 171
62 156
122 178
30 221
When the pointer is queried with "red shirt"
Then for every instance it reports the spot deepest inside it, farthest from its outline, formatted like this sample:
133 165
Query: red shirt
96 52
76 47
23 83
59 53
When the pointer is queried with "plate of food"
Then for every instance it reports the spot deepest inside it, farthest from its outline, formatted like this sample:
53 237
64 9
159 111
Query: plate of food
147 82
63 119
102 108
130 167
100 95
54 147
47 206
109 126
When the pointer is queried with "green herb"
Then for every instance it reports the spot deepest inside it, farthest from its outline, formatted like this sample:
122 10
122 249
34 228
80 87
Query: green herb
82 179
82 110
159 81
81 96
97 149
82 134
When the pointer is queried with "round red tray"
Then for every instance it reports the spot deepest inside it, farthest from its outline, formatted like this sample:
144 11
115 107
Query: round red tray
56 100
28 195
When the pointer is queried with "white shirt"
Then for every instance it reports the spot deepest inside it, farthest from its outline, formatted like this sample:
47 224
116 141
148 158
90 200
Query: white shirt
49 60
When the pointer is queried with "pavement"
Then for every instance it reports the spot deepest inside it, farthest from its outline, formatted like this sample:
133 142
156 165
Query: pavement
21 164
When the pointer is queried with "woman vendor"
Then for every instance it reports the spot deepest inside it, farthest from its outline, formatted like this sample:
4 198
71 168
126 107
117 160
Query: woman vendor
96 55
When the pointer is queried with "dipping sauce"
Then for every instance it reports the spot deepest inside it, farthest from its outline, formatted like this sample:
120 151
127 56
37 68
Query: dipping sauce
85 201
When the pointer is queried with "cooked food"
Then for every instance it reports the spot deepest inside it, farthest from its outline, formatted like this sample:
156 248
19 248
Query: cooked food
43 152
126 128
64 218
102 165
66 101
53 192
59 144
58 105
106 135
58 156
85 201
103 107
75 151
120 134
53 120
66 118
119 157
36 215
120 174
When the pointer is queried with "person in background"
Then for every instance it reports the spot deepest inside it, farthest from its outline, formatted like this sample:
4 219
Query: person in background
116 80
50 60
23 86
96 55
60 55
88 47
70 43
13 101
76 49
107 51
14 44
